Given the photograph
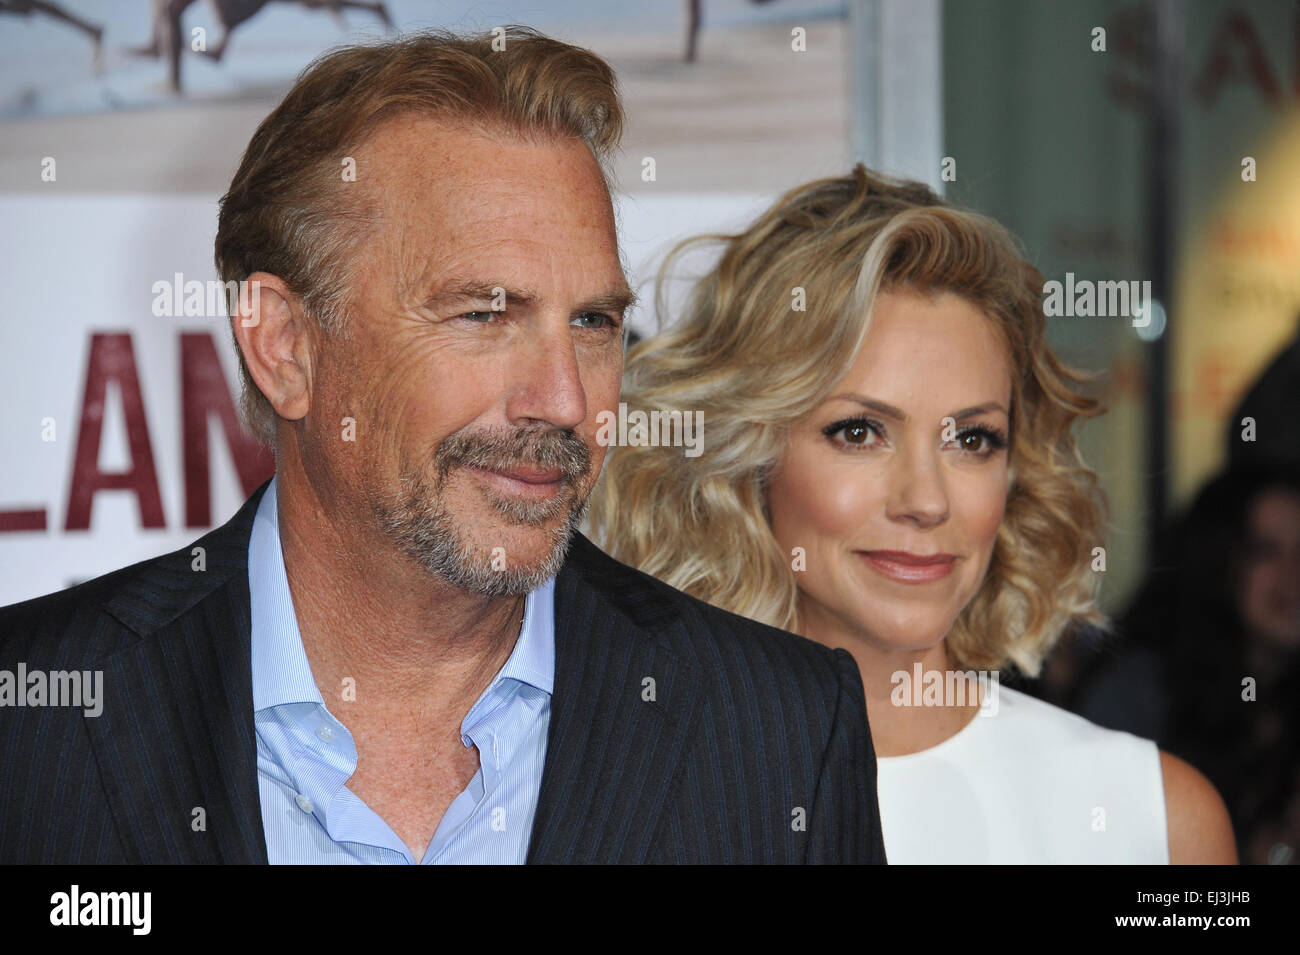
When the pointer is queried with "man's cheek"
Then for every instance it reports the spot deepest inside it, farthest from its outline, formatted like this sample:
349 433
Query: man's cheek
602 368
597 461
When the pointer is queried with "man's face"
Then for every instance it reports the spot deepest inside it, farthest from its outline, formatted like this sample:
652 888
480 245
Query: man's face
485 338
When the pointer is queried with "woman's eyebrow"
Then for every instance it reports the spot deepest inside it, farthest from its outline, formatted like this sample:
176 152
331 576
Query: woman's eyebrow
978 410
889 411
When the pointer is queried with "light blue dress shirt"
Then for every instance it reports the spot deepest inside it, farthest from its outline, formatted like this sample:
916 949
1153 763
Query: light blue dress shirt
305 755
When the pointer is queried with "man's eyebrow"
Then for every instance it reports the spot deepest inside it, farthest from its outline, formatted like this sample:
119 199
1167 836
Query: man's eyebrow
618 299
471 291
889 411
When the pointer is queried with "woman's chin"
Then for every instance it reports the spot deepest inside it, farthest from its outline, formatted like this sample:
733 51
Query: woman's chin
906 639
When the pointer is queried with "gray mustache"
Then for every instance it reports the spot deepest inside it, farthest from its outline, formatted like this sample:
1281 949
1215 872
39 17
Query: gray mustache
495 450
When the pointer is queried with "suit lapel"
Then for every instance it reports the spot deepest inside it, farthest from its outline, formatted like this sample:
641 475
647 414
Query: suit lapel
622 714
175 742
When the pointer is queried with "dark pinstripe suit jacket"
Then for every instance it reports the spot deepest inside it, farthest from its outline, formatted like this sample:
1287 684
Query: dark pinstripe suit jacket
755 747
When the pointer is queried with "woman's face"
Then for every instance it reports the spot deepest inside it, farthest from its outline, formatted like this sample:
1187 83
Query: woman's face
1270 581
896 485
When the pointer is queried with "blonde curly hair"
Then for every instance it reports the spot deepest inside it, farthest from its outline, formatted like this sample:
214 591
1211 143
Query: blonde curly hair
753 366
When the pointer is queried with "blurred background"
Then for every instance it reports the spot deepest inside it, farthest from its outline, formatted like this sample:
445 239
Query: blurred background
1150 140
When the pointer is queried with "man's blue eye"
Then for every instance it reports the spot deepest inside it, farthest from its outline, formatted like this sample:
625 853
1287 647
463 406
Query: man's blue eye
609 322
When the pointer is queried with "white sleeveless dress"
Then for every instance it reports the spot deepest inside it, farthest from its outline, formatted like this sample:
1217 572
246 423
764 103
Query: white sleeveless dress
1029 783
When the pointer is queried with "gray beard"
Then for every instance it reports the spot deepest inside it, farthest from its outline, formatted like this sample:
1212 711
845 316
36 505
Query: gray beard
422 528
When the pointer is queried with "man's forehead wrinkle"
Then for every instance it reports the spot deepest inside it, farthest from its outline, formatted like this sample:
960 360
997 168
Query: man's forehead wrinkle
436 269
424 272
497 226
408 261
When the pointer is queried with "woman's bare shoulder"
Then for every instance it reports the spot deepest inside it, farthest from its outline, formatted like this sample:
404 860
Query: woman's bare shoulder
1200 831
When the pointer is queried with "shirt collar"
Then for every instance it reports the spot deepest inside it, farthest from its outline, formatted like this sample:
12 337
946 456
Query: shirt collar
281 673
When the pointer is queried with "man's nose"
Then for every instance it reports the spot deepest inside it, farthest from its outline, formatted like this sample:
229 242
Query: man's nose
545 378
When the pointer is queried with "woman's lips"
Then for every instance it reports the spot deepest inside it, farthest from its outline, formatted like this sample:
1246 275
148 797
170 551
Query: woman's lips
909 568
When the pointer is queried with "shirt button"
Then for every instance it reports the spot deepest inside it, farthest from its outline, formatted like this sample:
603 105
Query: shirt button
325 733
303 802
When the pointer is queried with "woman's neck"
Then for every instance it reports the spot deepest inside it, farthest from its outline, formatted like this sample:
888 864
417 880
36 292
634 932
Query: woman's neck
905 717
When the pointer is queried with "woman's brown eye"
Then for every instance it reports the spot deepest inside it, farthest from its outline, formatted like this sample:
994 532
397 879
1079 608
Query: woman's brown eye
861 433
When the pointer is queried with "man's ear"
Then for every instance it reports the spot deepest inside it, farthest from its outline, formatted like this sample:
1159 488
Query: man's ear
275 336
